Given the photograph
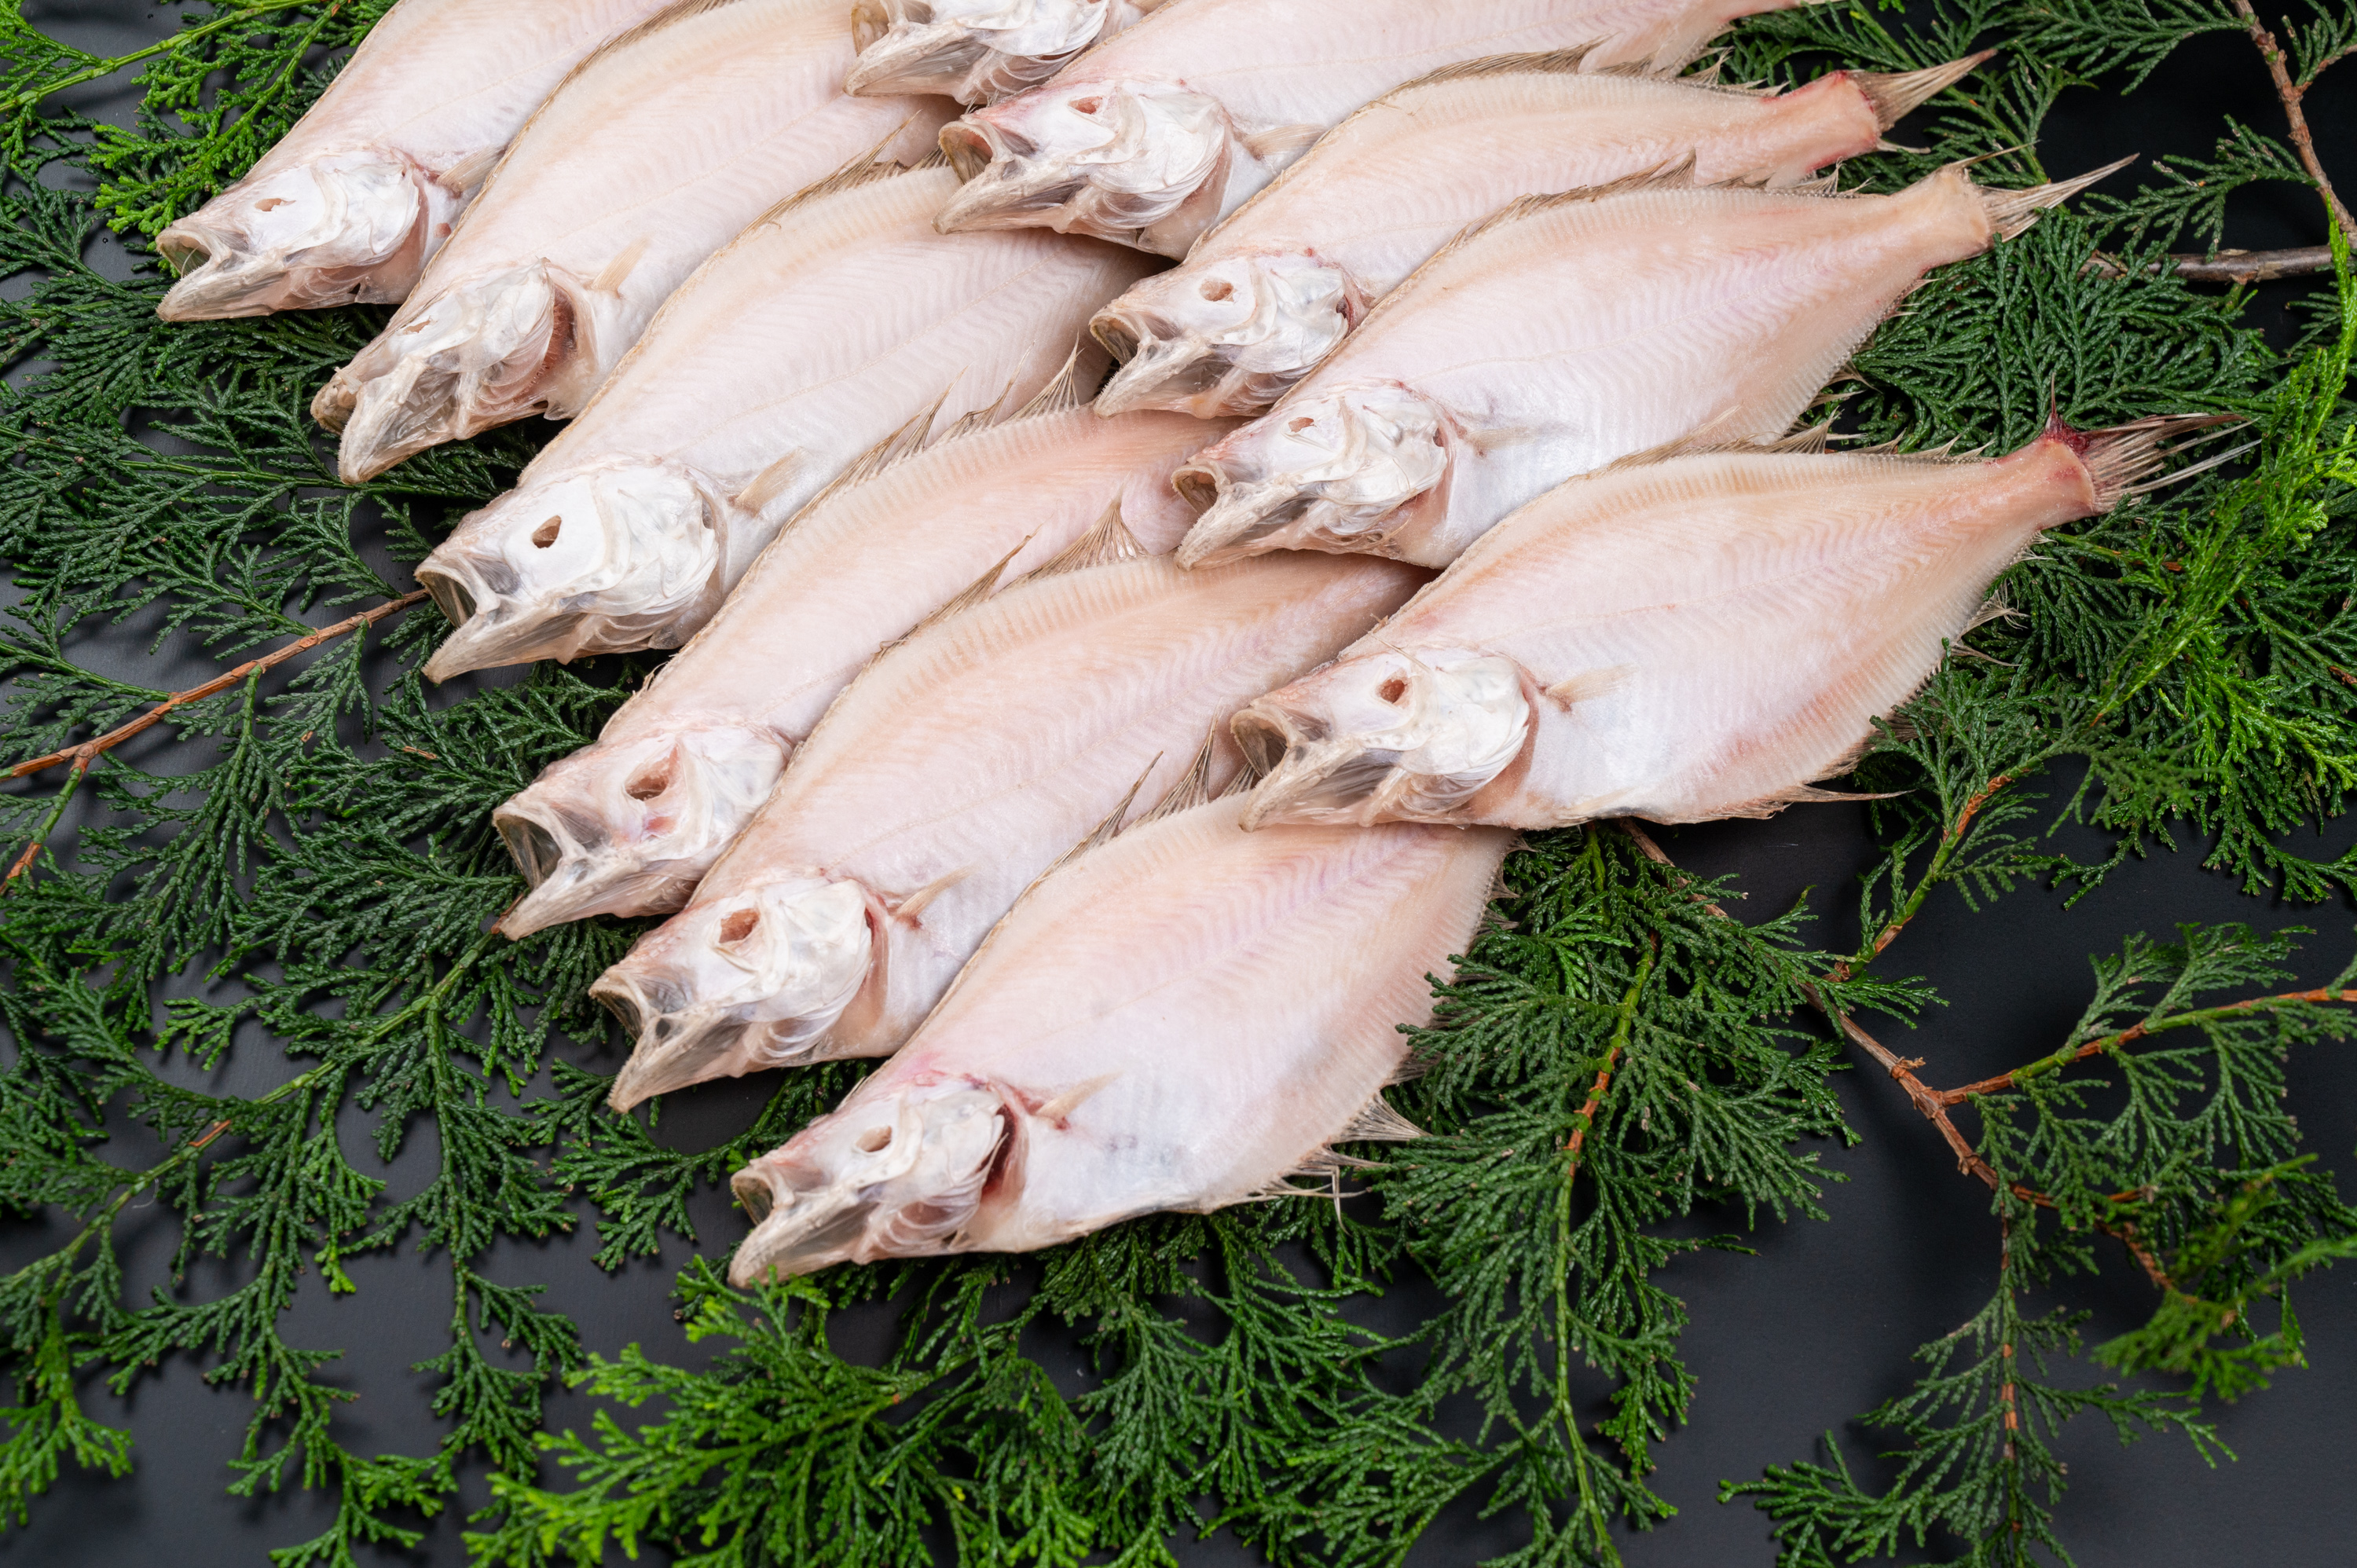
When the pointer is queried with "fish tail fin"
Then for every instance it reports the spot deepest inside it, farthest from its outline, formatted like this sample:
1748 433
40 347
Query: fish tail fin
1894 95
2012 213
2127 460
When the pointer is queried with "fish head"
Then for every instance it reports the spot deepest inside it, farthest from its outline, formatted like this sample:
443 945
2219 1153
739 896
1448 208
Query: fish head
750 980
1340 472
898 1172
972 50
1138 163
604 560
344 229
1388 736
483 352
628 827
1228 338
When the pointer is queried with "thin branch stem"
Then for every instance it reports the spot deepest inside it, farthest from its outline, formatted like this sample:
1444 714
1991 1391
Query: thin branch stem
2095 1048
2291 92
2228 266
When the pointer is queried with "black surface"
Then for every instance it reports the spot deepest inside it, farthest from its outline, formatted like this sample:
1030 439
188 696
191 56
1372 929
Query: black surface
1788 1345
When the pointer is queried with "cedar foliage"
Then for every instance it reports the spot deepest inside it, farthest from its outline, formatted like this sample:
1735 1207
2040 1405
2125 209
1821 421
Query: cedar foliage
1617 1053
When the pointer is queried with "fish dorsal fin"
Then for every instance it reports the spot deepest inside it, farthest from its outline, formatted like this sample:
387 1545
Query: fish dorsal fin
1704 443
1675 175
860 169
965 599
1542 62
1589 684
1060 395
1193 788
1108 542
1104 833
914 904
1377 1123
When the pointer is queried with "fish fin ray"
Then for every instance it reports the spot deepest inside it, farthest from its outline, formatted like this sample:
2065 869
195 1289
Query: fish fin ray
1108 542
1193 788
1073 1099
2012 213
1377 1123
1586 685
1894 95
616 272
914 904
770 482
1060 395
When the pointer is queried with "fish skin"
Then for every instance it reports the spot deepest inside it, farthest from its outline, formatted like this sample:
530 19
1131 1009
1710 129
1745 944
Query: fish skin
965 763
977 51
359 194
1668 312
1175 1021
653 154
1698 637
1269 292
1152 137
628 825
809 340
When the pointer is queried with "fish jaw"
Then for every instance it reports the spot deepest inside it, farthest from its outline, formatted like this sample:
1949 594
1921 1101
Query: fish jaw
1140 163
1228 338
630 827
896 1174
975 51
343 228
484 353
1341 473
1385 738
752 980
605 560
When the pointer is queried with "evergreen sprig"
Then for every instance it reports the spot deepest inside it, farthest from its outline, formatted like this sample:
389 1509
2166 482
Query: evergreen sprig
1617 1057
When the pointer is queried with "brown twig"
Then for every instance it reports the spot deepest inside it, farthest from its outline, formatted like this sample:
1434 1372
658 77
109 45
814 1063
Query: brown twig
2228 266
86 754
2290 93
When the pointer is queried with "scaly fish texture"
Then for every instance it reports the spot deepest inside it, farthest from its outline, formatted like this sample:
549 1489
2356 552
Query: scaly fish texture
948 777
1697 637
1152 137
838 323
352 202
1270 292
978 51
653 154
1179 1020
1571 331
629 825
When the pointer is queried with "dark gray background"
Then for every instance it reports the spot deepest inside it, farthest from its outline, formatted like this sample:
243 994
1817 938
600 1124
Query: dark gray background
1788 1345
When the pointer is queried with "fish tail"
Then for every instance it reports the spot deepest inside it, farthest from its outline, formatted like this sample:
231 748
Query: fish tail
2011 212
2127 460
1894 95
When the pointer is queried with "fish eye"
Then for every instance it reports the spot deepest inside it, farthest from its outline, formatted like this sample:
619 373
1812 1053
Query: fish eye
1393 690
545 534
739 925
1299 424
1217 289
651 783
1087 105
873 1141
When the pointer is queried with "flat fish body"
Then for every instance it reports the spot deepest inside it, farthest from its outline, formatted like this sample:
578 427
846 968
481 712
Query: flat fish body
1175 1021
1270 292
965 763
629 825
829 327
359 195
1571 331
1154 136
1692 639
651 155
977 51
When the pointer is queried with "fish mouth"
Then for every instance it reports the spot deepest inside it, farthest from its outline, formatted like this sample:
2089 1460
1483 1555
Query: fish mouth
1224 340
572 880
1308 779
1336 473
489 630
1006 186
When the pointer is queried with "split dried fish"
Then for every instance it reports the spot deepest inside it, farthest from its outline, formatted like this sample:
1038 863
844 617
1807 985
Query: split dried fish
1270 292
629 825
1698 637
1180 1020
352 202
836 322
1153 136
1571 331
653 154
978 50
952 775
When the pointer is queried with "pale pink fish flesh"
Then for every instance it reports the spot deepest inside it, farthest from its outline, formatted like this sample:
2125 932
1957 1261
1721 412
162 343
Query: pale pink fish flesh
1571 331
1154 136
977 51
966 762
653 154
1270 292
1179 1020
357 198
820 333
1702 637
629 825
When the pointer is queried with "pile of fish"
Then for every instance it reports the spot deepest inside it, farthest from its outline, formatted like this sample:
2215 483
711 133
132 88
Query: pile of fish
1109 690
